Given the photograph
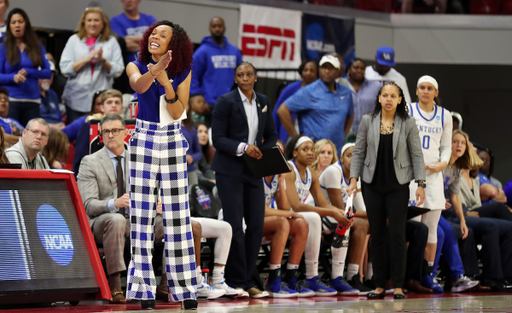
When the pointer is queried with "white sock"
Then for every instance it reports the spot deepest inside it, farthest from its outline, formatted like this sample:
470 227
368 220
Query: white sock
274 266
292 266
352 269
200 278
311 269
338 261
430 263
217 275
369 271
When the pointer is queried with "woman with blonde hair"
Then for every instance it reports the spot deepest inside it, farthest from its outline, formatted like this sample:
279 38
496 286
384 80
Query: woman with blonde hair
56 149
91 60
325 155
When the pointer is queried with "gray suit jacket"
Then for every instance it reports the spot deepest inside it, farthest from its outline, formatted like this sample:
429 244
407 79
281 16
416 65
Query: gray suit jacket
97 182
407 153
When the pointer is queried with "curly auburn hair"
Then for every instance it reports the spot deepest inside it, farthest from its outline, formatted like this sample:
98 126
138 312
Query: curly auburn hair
180 44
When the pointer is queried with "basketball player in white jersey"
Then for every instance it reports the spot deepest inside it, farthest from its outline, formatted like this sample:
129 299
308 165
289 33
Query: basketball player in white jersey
302 151
334 182
435 129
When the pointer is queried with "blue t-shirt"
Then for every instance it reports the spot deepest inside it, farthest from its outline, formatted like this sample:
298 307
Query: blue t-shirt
49 108
72 129
149 101
11 126
508 192
123 26
287 92
485 180
322 113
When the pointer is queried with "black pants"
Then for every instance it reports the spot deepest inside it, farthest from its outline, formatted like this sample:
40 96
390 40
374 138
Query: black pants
242 197
467 250
389 206
495 210
416 236
23 111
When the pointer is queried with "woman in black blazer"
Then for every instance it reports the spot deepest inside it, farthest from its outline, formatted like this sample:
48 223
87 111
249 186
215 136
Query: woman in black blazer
242 124
388 156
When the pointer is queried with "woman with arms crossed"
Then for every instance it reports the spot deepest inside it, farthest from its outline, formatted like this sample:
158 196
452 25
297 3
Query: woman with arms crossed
161 77
387 156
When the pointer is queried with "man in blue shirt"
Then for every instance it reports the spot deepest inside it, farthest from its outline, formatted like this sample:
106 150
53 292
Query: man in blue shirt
131 25
324 108
213 67
49 106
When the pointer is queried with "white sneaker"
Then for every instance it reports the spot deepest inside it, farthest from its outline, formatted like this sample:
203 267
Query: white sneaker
244 294
463 283
206 291
230 292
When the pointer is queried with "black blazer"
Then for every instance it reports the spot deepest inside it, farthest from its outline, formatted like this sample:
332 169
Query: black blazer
229 128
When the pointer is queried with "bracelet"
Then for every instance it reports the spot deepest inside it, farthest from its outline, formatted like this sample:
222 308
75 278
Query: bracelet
245 147
151 71
171 101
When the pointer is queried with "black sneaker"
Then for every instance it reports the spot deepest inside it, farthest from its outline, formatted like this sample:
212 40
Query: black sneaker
369 283
498 285
355 282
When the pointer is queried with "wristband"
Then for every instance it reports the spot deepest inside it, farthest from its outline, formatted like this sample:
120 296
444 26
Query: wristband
171 101
245 147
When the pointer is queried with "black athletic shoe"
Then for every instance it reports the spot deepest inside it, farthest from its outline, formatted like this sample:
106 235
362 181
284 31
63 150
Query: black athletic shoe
355 282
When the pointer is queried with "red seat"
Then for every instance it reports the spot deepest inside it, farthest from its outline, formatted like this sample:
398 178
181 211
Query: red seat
374 5
506 7
69 159
485 6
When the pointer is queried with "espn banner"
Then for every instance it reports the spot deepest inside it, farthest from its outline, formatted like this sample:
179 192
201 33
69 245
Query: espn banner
270 38
322 34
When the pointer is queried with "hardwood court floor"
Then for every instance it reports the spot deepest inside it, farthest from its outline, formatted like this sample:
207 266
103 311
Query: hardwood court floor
464 302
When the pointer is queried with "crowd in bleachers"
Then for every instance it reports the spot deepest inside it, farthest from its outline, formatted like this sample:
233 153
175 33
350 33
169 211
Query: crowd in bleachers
317 119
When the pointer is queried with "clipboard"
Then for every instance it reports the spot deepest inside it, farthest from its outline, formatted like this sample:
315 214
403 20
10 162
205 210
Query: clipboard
413 211
272 163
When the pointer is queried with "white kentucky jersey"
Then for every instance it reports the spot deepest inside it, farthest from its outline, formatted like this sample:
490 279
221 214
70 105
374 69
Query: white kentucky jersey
301 186
332 178
270 190
435 130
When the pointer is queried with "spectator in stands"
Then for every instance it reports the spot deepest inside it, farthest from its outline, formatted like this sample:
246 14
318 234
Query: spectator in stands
131 25
301 152
72 129
236 132
495 234
324 108
32 141
437 6
308 71
204 141
325 155
49 107
103 185
12 128
383 70
4 5
487 169
194 149
91 60
3 156
205 175
457 120
280 224
198 106
364 91
55 151
58 83
22 63
214 66
112 102
341 80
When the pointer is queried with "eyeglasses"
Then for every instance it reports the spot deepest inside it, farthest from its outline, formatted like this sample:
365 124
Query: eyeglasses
113 131
37 133
4 99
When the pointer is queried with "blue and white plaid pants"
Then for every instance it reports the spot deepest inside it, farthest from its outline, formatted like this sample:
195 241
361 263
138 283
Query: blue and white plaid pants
158 163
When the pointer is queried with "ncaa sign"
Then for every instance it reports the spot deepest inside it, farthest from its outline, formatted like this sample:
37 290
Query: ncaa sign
54 234
270 38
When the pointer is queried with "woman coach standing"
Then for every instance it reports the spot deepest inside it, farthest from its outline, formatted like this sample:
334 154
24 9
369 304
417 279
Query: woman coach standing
242 123
387 156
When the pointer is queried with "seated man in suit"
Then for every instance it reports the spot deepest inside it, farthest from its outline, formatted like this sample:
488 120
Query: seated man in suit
104 189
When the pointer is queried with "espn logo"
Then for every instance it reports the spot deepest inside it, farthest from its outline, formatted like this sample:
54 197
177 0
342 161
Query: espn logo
256 41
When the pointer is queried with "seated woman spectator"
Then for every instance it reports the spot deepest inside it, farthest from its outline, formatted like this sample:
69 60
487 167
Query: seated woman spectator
280 224
22 63
495 234
55 151
308 71
325 155
301 150
491 189
96 112
90 60
204 142
205 175
3 157
194 150
364 91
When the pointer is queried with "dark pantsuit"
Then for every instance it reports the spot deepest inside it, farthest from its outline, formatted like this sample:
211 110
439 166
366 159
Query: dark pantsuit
242 197
391 206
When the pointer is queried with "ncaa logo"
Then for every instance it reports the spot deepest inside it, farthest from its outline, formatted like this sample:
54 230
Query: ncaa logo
54 234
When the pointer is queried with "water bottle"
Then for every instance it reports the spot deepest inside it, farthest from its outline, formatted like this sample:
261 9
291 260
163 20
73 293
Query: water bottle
342 234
